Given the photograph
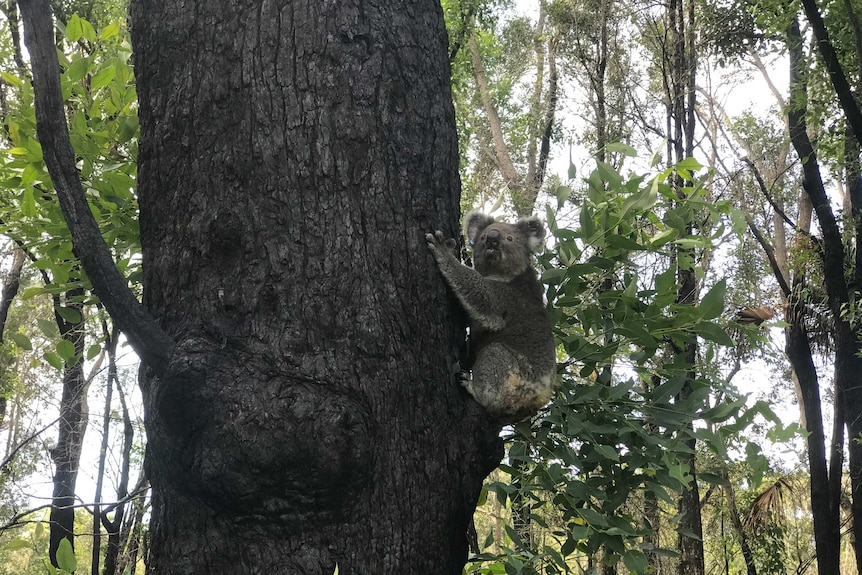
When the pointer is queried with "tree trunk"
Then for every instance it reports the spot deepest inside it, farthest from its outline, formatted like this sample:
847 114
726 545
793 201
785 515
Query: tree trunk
682 74
826 522
747 555
73 423
292 157
115 526
131 533
7 295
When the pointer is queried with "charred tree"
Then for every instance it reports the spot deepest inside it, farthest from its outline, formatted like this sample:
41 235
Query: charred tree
301 407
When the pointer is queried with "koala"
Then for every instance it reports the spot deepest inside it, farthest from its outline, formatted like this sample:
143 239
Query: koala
513 351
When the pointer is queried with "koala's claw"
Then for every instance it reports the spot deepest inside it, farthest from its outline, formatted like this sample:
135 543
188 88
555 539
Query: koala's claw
437 241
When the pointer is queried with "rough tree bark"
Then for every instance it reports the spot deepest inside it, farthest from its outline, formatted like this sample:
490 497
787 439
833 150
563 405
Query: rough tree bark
301 407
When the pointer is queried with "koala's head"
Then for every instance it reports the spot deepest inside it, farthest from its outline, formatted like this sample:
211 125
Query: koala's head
500 249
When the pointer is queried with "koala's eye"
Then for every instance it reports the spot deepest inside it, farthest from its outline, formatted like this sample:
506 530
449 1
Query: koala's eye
509 238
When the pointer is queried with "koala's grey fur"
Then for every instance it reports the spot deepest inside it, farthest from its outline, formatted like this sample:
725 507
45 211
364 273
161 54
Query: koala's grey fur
514 359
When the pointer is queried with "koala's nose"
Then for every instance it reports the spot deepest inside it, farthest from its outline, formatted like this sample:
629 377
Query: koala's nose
492 237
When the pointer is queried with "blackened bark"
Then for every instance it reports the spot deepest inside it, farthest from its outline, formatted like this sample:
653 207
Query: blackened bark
10 289
833 66
826 524
853 172
826 521
7 296
292 157
72 425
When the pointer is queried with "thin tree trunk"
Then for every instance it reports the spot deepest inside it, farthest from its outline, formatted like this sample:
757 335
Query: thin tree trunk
680 19
98 512
747 555
10 290
73 423
501 149
115 526
132 536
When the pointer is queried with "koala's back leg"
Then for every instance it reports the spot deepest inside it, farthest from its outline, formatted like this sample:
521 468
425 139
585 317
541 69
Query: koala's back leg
504 385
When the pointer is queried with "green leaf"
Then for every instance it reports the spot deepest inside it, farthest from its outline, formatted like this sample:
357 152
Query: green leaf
21 340
87 31
712 479
713 332
689 164
607 452
94 350
620 148
687 533
712 304
74 28
49 328
663 237
31 173
77 69
66 349
16 544
28 202
562 193
635 561
70 314
666 281
66 556
103 78
680 472
11 79
622 242
110 31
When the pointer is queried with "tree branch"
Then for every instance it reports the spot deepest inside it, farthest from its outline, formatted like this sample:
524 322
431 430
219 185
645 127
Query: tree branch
770 255
151 343
504 160
833 66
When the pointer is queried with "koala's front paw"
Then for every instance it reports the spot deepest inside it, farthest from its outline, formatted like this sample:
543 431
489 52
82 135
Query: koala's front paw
437 241
440 246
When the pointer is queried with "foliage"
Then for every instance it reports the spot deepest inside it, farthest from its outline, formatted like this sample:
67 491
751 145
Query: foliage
98 87
616 430
27 552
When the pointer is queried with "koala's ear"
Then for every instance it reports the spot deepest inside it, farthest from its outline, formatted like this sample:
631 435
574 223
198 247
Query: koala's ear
474 223
534 230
